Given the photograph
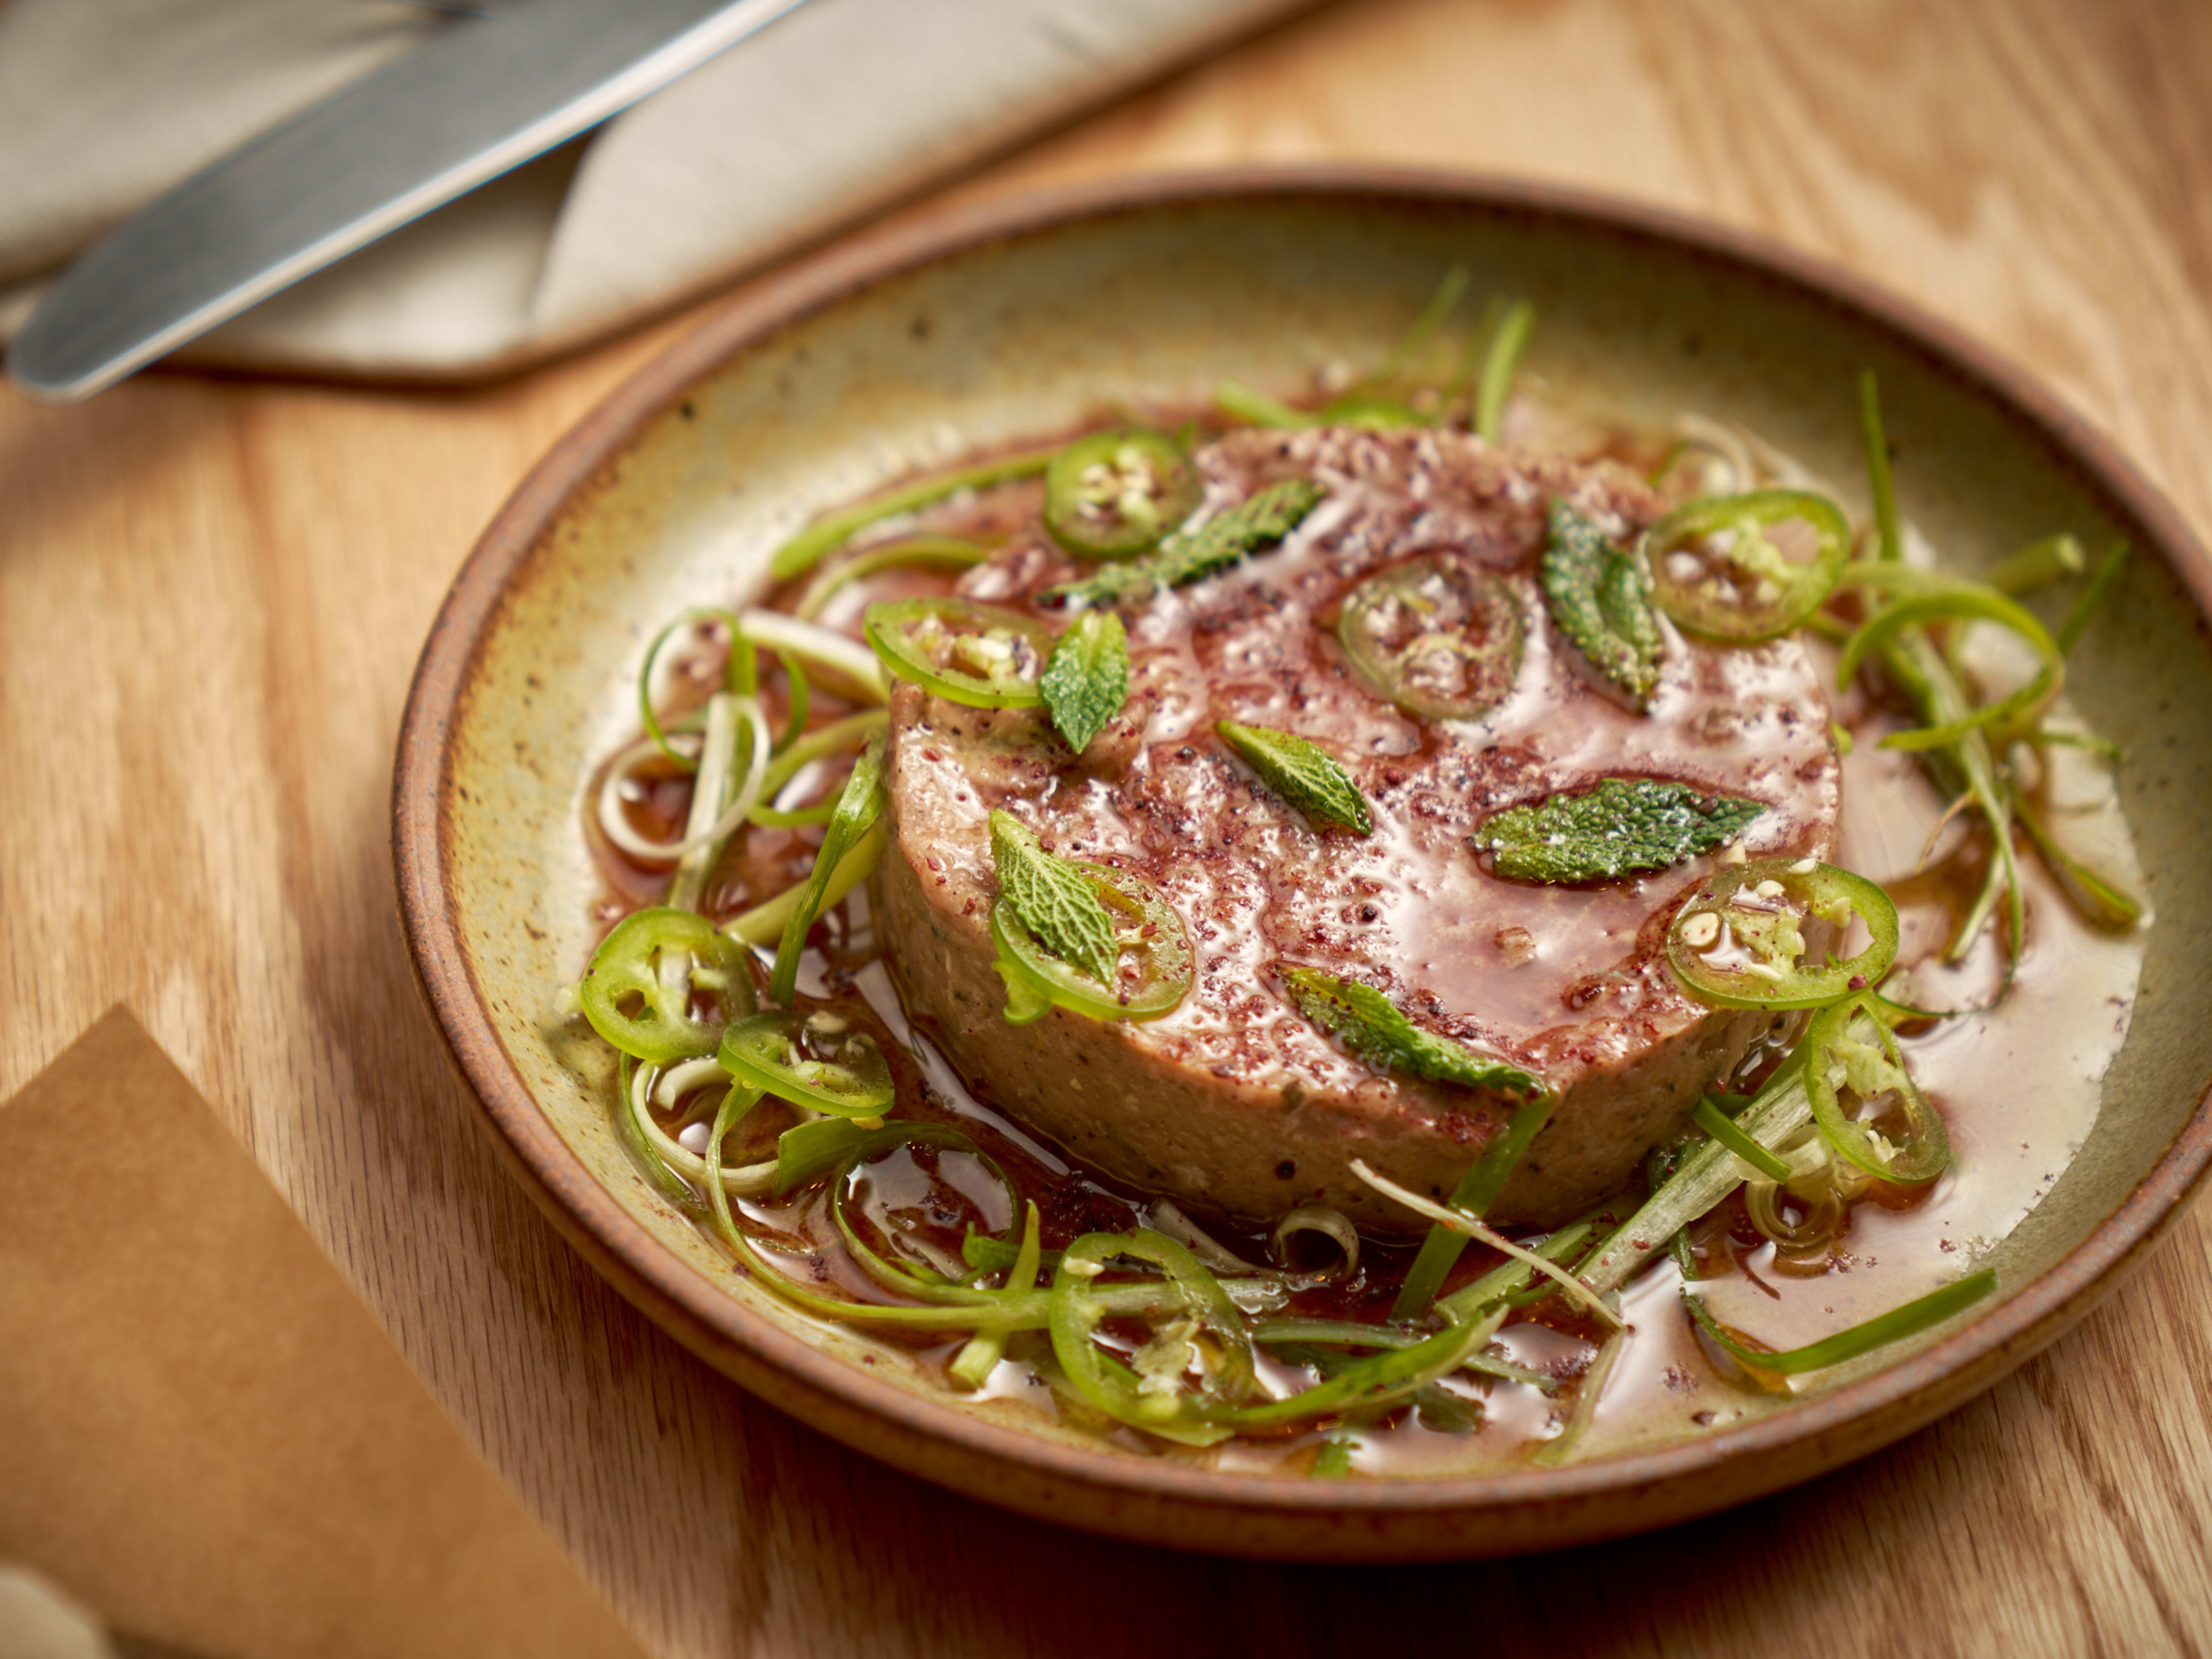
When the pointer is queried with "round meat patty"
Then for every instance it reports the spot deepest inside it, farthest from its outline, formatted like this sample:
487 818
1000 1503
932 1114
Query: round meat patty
1235 1104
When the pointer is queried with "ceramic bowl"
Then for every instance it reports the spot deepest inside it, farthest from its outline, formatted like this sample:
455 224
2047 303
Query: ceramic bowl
902 350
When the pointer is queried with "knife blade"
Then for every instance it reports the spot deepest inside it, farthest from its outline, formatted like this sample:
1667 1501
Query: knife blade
484 96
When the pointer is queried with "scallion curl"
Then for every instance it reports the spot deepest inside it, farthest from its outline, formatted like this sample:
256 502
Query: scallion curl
852 664
958 552
739 674
616 827
1494 384
1474 1227
1919 1315
1957 601
859 806
807 549
1331 1224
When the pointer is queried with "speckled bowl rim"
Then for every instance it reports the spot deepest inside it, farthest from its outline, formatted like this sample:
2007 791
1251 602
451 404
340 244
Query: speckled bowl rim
1132 1496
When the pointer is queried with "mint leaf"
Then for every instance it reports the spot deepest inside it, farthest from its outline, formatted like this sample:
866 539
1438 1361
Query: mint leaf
1184 557
1303 774
1053 899
1086 678
1601 599
1623 825
1378 1033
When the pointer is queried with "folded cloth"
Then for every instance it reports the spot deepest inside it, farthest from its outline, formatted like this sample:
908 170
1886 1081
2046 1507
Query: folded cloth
839 107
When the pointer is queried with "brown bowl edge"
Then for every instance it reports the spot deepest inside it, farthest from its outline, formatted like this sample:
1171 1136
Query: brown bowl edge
1250 1515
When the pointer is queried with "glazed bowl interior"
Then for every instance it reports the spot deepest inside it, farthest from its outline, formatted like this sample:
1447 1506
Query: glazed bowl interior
855 372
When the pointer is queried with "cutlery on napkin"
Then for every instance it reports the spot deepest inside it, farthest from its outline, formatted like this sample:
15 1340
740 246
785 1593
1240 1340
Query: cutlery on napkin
841 107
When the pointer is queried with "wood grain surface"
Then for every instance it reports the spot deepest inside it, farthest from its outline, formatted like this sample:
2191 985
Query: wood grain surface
212 594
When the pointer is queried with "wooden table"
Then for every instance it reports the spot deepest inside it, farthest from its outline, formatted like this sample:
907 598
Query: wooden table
212 592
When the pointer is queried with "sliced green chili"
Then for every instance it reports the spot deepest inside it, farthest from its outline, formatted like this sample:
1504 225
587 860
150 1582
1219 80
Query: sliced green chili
1439 637
768 1052
1114 495
1848 1049
644 978
923 1285
1740 940
1159 1405
1146 928
969 653
1749 588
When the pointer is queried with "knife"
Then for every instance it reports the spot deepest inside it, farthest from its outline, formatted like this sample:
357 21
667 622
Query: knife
483 96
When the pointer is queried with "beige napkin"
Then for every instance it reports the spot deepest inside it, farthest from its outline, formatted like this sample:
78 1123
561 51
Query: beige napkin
206 1440
841 107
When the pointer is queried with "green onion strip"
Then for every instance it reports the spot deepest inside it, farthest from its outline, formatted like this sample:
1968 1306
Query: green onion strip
1710 1118
739 674
807 549
1477 1191
1914 1317
1944 600
973 1365
1564 1447
1379 1380
747 1180
1512 1277
1474 1227
664 1179
1967 765
1417 339
956 552
1706 1177
723 706
851 733
1495 382
847 661
857 808
2093 598
765 922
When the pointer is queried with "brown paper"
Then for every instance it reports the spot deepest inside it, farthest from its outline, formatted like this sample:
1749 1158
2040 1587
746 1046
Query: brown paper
203 1435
